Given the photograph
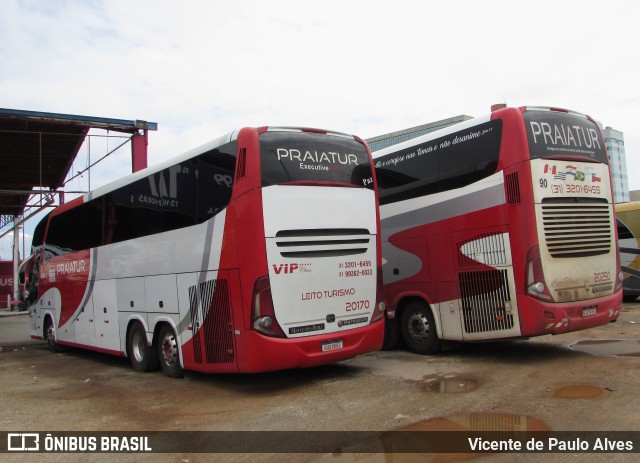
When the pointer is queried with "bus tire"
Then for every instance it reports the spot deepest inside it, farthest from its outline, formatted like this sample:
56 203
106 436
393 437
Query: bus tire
629 297
142 356
418 329
168 352
391 333
50 335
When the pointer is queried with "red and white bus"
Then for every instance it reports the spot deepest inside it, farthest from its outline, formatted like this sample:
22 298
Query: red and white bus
498 227
6 283
258 251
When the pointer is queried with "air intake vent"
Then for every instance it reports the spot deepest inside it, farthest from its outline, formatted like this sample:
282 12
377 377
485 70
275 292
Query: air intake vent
577 229
513 188
484 249
329 242
484 300
209 301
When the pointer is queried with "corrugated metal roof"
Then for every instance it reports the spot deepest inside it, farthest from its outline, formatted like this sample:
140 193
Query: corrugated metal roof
37 150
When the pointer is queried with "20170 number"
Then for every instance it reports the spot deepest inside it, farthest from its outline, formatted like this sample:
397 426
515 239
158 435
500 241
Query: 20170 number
357 305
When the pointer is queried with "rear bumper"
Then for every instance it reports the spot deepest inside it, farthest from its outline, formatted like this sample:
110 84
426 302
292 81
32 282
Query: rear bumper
555 318
258 353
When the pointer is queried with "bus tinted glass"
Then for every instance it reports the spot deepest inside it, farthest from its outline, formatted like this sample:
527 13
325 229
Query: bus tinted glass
302 156
440 164
623 231
182 195
553 133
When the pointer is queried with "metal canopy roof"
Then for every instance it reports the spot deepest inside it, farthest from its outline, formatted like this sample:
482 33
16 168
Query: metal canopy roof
37 150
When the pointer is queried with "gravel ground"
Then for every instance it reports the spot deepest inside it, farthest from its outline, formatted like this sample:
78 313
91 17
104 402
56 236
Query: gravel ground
542 384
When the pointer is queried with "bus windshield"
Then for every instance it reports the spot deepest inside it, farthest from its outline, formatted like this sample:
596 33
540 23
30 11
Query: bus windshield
555 133
288 157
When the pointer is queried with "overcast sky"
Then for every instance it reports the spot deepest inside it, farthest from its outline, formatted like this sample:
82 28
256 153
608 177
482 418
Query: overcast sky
203 68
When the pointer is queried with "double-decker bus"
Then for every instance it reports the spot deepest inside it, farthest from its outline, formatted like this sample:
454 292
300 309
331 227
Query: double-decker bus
628 219
498 227
258 251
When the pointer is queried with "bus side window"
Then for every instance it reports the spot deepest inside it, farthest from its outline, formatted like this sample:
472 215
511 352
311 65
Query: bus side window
179 196
416 177
74 230
623 230
110 221
216 171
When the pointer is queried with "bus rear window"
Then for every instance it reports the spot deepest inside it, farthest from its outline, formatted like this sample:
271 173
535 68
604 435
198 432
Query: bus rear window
557 134
288 157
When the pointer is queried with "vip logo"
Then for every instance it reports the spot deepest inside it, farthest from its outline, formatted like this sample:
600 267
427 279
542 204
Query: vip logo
23 442
285 268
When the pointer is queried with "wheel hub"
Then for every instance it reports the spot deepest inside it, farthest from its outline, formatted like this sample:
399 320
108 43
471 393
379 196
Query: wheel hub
419 327
169 350
138 346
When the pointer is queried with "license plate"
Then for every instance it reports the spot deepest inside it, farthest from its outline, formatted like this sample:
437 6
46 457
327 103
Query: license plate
332 345
588 311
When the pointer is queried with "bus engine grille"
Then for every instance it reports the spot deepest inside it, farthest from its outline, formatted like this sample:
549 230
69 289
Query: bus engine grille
322 242
577 229
211 321
484 298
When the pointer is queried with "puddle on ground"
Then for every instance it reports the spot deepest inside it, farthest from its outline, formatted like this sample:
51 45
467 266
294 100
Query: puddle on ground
453 385
424 438
617 347
578 391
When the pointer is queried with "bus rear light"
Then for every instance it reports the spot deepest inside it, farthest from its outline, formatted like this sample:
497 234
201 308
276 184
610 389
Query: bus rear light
535 286
379 312
264 317
381 306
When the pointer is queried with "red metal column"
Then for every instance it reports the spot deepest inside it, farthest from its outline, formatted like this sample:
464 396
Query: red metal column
139 143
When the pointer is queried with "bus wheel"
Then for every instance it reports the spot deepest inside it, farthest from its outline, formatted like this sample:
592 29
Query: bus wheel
143 357
629 298
391 333
50 335
168 352
419 329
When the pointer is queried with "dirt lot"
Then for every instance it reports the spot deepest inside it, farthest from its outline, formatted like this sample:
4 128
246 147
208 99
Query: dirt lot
545 383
